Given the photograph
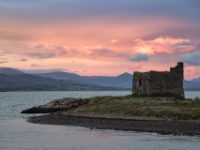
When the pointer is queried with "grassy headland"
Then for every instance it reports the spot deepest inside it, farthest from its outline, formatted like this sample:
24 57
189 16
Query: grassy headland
160 113
159 106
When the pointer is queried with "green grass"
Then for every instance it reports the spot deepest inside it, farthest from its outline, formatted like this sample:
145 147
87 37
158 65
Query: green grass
168 94
141 105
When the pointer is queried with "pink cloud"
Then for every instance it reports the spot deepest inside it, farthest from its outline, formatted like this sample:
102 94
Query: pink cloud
3 58
14 35
114 41
2 62
3 53
191 72
51 50
100 53
22 59
35 65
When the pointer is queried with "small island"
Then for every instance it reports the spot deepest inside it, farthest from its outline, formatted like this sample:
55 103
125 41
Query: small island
164 114
157 104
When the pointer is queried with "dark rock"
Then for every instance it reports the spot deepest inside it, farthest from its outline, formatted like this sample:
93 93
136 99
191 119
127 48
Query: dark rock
55 105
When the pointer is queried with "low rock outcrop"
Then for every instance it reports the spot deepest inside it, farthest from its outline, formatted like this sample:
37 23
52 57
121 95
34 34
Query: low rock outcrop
55 105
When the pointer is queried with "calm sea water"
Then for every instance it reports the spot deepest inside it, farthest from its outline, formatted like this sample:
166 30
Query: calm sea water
17 134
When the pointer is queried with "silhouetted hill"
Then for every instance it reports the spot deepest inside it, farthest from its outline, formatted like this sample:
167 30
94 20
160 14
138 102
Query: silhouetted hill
123 81
10 71
60 75
191 85
197 80
26 82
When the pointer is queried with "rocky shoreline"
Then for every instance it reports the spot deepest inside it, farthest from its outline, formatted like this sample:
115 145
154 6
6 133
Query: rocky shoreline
63 112
53 106
175 127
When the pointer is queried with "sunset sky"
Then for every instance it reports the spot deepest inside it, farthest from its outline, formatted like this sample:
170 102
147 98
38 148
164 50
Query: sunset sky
100 37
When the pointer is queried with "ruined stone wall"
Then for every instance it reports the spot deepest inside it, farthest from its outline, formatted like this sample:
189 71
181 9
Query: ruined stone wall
159 82
140 83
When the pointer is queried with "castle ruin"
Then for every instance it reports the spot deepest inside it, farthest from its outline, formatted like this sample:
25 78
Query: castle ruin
159 82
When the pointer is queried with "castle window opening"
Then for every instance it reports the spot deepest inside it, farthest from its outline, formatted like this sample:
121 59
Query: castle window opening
140 82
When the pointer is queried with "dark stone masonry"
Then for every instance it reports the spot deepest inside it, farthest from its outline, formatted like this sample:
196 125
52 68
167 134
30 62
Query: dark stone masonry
159 82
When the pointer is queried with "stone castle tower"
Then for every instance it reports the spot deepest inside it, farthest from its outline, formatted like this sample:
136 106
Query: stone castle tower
159 82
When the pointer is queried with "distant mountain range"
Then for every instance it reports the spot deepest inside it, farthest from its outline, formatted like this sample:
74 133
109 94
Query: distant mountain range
10 71
193 84
72 81
122 81
15 80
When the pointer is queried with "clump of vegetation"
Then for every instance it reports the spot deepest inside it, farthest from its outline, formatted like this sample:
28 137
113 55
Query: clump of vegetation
142 105
197 98
168 94
136 96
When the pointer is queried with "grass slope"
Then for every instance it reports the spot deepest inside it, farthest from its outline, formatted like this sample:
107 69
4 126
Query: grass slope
154 106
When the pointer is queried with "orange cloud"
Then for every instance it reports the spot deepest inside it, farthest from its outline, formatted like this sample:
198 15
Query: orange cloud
141 48
162 45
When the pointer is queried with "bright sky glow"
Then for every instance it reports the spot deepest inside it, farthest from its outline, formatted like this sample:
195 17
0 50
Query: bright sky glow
98 37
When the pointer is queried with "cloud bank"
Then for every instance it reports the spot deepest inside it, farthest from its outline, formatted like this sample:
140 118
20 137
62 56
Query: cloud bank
192 58
139 57
49 51
164 44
